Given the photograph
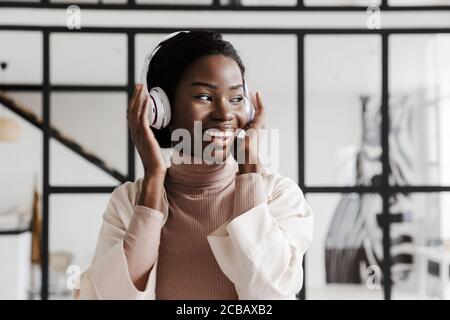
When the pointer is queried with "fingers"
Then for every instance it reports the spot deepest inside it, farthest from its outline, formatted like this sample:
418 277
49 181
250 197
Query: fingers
140 108
136 104
133 96
136 89
137 112
259 110
253 98
144 114
131 106
132 103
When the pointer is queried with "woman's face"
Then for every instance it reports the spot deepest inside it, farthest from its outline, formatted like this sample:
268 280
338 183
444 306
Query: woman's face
211 92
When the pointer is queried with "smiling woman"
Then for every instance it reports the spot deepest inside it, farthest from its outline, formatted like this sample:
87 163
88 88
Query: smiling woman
200 230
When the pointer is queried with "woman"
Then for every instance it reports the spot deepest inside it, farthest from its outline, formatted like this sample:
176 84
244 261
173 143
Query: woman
221 230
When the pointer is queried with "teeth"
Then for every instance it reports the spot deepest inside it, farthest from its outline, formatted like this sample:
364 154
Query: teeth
218 133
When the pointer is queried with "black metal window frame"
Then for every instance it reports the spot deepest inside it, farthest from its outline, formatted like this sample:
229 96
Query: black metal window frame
217 6
385 190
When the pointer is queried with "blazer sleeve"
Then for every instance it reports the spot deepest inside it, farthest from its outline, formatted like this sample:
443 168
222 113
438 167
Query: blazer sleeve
261 250
108 276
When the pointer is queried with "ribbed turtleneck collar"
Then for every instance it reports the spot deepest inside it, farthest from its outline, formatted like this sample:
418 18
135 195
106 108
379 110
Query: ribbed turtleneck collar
189 171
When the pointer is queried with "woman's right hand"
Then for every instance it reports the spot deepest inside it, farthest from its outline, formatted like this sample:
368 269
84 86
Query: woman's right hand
142 135
148 147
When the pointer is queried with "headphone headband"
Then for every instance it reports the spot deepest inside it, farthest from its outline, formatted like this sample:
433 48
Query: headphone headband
149 57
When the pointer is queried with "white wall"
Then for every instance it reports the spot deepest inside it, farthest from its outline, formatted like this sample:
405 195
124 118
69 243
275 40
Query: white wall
338 69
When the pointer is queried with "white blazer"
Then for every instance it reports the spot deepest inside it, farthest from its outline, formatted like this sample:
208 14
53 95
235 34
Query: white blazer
260 251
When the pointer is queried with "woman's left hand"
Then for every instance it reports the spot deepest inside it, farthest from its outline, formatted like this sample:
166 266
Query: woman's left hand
248 146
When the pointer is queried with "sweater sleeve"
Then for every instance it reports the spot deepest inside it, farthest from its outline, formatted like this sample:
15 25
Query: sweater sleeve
109 276
248 192
141 243
261 249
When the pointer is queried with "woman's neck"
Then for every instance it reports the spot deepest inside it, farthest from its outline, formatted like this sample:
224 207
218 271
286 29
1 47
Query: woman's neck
192 170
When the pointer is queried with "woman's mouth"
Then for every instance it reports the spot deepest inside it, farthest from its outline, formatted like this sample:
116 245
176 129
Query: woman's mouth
218 137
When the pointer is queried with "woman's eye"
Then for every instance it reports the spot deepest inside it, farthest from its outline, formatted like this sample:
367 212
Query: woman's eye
204 97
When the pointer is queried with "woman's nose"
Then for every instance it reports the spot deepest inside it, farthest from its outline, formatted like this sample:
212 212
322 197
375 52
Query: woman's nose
222 112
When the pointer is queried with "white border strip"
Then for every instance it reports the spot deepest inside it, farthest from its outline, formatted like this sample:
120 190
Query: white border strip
223 19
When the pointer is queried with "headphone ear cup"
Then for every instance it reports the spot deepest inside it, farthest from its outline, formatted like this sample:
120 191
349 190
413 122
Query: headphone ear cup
161 110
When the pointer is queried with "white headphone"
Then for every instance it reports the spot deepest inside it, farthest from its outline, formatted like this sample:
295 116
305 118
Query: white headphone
160 110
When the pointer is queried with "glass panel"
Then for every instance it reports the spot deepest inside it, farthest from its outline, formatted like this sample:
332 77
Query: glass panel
96 123
419 72
29 101
68 246
20 173
90 1
342 119
418 2
180 2
15 266
420 249
338 3
23 66
255 3
344 260
21 0
88 59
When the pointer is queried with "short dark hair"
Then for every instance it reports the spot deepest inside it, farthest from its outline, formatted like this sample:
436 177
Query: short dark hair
175 55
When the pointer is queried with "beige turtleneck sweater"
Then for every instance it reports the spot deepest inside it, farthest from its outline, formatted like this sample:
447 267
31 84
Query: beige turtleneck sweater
201 198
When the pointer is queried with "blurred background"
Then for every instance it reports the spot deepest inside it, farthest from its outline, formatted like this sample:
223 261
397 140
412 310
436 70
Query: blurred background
359 91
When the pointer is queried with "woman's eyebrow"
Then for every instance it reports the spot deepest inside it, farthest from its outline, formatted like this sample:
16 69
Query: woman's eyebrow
213 86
